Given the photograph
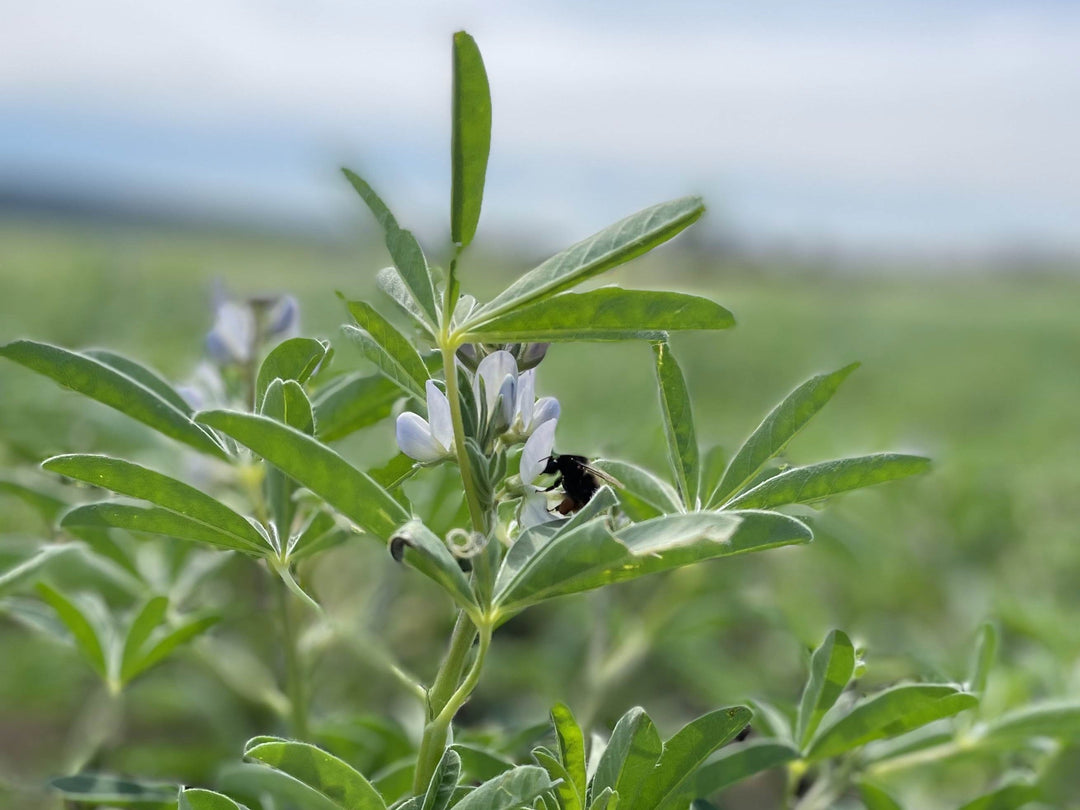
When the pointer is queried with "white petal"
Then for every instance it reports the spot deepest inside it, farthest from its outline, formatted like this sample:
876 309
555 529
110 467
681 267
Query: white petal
233 332
506 400
536 452
442 425
415 439
526 393
534 510
494 369
546 408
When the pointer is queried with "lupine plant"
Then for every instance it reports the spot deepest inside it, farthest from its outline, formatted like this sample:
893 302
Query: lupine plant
460 378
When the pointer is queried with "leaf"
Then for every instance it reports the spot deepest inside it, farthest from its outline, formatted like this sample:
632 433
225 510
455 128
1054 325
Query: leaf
614 245
658 497
713 463
170 641
286 402
29 569
631 754
256 783
569 798
588 556
778 428
1058 719
831 667
608 799
322 772
154 520
678 424
480 764
443 782
44 502
818 481
141 374
104 789
1009 797
508 790
388 349
292 359
741 762
609 313
982 659
87 637
875 798
571 748
100 381
470 138
130 479
888 714
417 546
404 250
352 402
684 753
315 466
150 615
196 799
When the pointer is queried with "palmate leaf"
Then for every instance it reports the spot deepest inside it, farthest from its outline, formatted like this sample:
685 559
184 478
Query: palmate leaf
406 253
155 520
323 773
126 478
888 714
831 667
817 481
609 313
740 762
678 425
105 383
293 359
778 428
351 402
315 466
616 244
470 139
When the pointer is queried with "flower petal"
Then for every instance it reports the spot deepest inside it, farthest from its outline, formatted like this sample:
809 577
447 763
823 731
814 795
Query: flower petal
493 370
415 439
536 452
546 408
283 317
526 393
534 510
442 425
231 337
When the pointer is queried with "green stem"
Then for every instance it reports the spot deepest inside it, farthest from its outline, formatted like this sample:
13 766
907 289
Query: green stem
476 510
294 675
449 675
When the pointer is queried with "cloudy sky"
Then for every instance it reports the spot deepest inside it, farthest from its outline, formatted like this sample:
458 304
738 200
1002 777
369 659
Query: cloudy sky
876 123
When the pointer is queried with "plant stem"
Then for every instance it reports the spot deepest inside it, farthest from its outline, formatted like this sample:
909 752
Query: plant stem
476 510
294 675
449 675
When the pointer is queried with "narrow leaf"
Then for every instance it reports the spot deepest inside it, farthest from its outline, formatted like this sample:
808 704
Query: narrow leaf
609 313
508 791
678 424
32 567
45 502
100 381
142 374
630 756
1056 719
104 789
443 782
150 615
778 428
569 798
740 762
1009 797
323 772
831 667
168 642
130 479
415 544
86 635
616 244
155 520
388 349
315 466
196 799
352 402
876 798
470 138
292 359
818 481
571 748
982 659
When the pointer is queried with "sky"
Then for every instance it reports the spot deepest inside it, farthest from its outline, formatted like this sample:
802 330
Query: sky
877 124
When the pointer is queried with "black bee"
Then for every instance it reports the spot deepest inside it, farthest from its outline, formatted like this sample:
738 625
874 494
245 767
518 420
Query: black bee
578 480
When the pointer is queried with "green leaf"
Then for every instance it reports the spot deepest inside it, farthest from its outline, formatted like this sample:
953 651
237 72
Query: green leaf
286 402
168 642
149 617
609 313
100 381
982 659
315 466
112 791
567 794
778 428
130 479
818 481
417 546
571 748
87 636
640 484
470 138
44 502
1057 719
678 424
616 244
684 753
508 790
256 783
1009 797
324 773
154 520
888 714
588 555
404 250
629 758
875 798
480 764
32 567
352 402
388 349
831 667
197 799
141 374
741 762
713 463
292 359
607 799
443 782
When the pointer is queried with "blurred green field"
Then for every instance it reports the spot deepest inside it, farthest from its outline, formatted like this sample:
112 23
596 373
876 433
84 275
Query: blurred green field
980 372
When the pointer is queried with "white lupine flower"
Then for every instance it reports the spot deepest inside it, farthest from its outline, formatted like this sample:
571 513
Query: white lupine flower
430 439
534 458
232 336
529 412
499 372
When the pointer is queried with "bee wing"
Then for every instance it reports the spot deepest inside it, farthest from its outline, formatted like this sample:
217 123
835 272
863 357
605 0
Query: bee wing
603 476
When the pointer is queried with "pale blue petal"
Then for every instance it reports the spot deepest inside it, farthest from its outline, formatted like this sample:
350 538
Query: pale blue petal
493 370
546 408
537 451
534 510
442 424
233 333
415 439
526 393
